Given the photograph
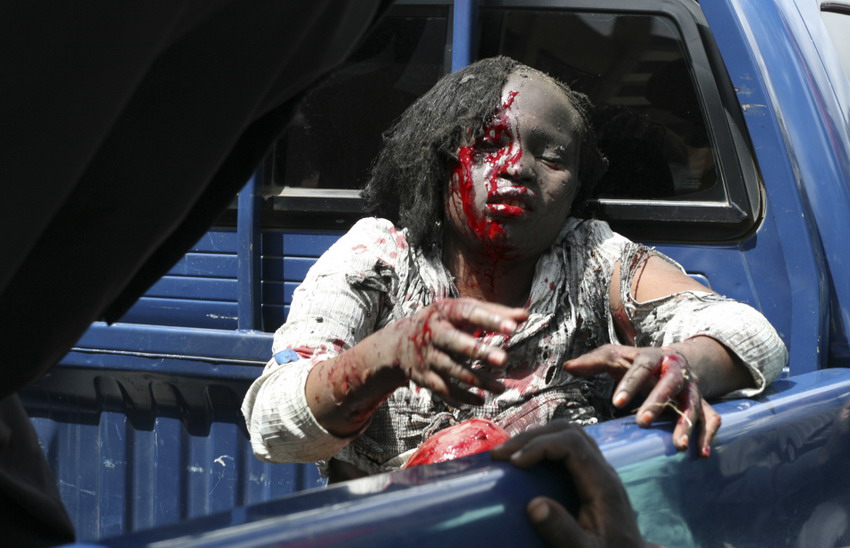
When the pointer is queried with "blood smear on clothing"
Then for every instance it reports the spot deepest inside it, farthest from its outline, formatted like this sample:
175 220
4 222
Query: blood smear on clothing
464 439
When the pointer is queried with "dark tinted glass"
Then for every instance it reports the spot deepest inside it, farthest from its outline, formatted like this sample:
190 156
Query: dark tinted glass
633 67
337 132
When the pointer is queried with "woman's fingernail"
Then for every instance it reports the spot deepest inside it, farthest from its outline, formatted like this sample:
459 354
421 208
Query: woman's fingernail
684 441
498 356
646 417
706 451
508 326
621 398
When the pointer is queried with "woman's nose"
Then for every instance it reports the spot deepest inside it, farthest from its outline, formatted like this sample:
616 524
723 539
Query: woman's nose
517 163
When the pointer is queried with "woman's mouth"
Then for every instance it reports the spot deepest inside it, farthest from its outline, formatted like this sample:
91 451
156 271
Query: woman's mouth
510 204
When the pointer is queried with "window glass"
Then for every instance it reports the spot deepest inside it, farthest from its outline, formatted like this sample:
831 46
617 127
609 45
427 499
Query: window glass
838 26
635 71
337 131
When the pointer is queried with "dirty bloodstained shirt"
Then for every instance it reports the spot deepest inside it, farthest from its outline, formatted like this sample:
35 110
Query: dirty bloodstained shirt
371 277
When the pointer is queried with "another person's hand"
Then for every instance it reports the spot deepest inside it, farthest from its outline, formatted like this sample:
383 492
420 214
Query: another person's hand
605 517
665 375
431 346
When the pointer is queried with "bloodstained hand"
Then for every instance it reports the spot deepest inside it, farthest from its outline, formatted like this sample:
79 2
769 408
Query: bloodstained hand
605 516
663 373
431 346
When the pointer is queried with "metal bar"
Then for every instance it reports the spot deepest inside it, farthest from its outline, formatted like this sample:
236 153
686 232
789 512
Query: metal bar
248 254
464 23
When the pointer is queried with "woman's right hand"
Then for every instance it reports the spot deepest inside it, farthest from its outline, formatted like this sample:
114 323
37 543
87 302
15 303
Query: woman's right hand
428 348
431 346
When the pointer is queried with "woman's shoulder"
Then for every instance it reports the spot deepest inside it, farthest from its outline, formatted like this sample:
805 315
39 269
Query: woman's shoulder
591 234
368 241
378 227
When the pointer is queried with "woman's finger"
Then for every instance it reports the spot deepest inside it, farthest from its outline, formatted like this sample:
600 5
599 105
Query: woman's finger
710 426
453 341
667 389
690 416
489 316
446 390
445 367
613 359
640 375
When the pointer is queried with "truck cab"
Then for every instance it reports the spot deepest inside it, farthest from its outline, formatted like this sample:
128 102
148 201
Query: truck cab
727 129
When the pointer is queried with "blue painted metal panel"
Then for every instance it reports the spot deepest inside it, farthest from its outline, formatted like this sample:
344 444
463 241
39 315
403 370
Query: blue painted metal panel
202 290
207 264
191 287
464 23
287 268
298 242
168 476
279 293
274 315
152 444
248 231
822 119
213 346
219 240
763 484
183 312
761 60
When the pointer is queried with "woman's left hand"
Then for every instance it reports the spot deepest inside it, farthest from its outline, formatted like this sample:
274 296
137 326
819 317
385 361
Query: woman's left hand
664 373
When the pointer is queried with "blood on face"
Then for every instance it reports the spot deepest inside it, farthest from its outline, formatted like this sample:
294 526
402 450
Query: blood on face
491 151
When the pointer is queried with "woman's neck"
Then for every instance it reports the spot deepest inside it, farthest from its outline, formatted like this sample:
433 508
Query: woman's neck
488 274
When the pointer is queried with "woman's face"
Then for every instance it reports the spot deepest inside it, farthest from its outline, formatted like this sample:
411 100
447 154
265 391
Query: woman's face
512 189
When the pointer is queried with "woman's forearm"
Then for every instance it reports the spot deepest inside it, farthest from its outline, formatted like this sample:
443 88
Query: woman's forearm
345 391
717 369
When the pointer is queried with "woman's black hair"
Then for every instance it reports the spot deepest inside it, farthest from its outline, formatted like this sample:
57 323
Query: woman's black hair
419 152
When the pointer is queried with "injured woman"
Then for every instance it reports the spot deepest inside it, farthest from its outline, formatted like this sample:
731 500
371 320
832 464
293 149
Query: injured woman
480 289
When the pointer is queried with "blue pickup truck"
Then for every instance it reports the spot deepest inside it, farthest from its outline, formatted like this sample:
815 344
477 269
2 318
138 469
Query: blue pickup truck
727 126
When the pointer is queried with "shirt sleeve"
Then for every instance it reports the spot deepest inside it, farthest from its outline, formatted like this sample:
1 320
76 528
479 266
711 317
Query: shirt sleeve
680 316
343 299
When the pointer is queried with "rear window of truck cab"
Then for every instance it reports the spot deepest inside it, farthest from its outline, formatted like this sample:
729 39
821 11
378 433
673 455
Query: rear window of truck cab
665 113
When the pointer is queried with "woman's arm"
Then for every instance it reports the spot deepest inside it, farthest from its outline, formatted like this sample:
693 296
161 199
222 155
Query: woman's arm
333 366
428 348
691 344
719 371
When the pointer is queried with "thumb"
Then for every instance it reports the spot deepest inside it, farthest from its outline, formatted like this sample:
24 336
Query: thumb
555 524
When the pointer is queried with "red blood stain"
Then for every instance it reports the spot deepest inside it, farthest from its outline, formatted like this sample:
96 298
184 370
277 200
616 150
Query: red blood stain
304 351
490 232
552 286
343 377
481 333
422 339
668 361
359 248
520 378
625 324
400 240
464 439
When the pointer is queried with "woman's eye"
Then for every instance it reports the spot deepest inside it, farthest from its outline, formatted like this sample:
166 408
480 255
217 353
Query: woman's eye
554 162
